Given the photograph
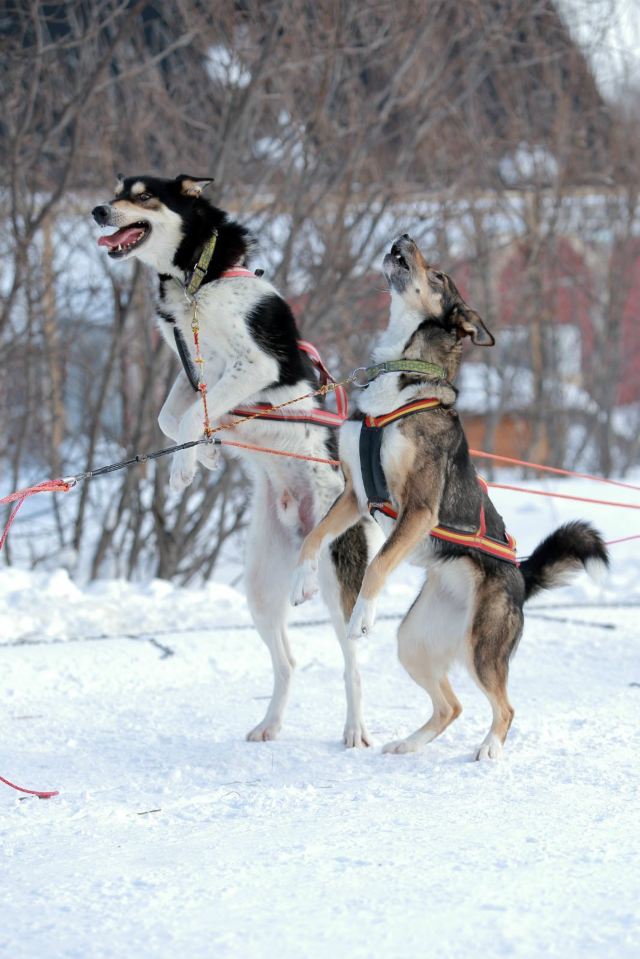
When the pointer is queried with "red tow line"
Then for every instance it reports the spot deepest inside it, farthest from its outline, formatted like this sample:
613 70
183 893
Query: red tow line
31 792
49 486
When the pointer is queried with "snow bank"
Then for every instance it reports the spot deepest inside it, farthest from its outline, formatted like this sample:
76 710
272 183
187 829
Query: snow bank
173 836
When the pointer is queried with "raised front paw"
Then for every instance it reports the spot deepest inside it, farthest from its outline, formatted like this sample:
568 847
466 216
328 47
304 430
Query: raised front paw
305 582
362 617
183 470
210 456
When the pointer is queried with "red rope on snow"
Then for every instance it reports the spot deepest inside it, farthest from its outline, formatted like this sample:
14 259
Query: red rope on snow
48 486
32 792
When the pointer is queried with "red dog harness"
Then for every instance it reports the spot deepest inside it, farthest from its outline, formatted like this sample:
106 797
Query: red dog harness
318 416
379 498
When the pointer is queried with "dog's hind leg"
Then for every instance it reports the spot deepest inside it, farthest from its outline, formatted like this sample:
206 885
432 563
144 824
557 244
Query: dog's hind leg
493 683
341 571
496 630
429 639
446 708
342 515
283 665
271 558
355 731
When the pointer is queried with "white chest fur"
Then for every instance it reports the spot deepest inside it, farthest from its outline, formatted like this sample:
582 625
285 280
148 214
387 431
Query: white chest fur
349 445
395 452
225 339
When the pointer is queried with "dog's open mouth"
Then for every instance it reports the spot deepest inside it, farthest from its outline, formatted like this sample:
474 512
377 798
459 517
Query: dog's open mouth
399 260
126 239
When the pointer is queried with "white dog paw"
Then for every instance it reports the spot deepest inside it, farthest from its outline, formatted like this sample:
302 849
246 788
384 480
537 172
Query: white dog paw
401 746
263 732
305 582
490 749
356 736
210 456
362 618
183 470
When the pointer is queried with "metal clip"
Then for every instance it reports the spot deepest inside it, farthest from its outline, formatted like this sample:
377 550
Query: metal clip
360 377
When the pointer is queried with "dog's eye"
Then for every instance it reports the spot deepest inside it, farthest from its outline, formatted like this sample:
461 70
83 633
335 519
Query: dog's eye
145 196
438 276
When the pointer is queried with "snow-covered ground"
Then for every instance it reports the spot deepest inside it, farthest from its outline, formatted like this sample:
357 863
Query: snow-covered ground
173 837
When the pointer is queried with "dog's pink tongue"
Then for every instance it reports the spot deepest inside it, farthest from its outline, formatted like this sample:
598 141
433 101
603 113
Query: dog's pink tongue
123 237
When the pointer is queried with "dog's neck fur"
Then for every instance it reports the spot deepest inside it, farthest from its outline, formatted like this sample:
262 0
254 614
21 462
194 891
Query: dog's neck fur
402 324
178 253
399 340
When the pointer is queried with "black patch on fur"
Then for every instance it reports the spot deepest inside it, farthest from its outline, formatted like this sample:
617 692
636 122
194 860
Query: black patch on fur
273 327
162 279
350 556
164 315
331 446
463 497
571 544
498 619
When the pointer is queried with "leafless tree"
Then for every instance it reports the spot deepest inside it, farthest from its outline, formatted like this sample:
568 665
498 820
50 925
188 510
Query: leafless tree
328 127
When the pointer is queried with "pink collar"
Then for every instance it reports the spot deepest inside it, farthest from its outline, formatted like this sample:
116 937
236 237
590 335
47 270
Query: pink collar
238 271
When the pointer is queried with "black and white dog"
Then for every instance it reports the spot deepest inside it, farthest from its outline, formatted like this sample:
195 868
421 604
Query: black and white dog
249 343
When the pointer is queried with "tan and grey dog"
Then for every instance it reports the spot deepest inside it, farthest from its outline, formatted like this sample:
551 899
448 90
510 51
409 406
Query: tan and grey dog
405 455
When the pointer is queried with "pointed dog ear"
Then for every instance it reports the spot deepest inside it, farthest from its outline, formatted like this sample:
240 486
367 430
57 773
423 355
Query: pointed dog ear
193 185
470 324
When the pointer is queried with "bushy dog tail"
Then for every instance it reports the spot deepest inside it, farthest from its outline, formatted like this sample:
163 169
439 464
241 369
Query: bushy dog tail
564 552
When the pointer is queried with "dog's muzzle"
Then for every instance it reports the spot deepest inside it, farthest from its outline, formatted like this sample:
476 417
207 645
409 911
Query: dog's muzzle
127 237
101 215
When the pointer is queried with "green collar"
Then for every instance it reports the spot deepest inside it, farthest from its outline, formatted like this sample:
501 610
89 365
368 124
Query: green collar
367 374
201 267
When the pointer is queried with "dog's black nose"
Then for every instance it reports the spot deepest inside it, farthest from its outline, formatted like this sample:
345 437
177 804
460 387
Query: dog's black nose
100 214
405 236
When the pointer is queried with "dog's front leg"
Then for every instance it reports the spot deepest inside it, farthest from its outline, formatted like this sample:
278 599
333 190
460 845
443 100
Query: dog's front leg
412 526
183 466
182 397
180 420
342 515
243 378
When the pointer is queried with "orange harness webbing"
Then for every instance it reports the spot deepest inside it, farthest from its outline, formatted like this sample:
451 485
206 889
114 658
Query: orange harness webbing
378 492
416 407
317 416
